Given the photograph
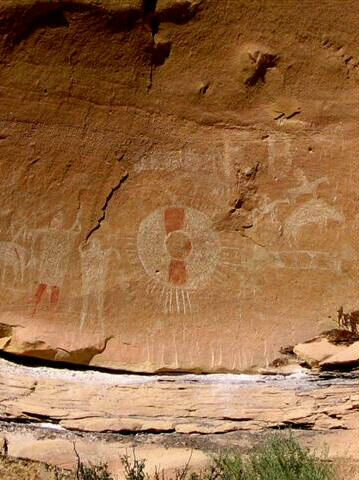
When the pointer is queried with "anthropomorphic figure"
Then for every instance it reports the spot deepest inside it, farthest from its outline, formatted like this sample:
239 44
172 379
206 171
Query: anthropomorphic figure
55 245
94 266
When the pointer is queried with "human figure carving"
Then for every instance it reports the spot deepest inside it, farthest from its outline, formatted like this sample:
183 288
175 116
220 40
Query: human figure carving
55 247
94 265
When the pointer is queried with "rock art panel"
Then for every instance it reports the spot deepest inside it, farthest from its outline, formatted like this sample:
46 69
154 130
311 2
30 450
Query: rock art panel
167 205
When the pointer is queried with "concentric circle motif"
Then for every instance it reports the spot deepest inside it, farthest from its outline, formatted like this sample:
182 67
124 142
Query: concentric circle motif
178 247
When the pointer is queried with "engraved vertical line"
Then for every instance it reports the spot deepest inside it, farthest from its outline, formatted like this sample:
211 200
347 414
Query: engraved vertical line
183 302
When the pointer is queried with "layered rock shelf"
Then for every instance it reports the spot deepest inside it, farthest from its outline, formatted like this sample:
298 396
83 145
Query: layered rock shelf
44 412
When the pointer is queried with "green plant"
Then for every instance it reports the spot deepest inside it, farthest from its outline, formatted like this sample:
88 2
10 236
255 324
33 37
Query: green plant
278 457
182 473
91 472
134 470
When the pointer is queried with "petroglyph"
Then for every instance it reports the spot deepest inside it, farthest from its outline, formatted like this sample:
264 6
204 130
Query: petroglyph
55 246
312 212
269 208
168 161
94 266
306 260
182 159
305 187
177 246
13 257
258 259
179 251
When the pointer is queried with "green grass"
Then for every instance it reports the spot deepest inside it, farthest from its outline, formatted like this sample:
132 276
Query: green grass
278 457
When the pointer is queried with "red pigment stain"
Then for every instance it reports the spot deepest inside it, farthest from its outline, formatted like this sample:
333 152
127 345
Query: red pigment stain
177 272
38 295
54 297
174 219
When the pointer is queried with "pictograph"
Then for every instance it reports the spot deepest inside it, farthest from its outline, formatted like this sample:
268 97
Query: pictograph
179 252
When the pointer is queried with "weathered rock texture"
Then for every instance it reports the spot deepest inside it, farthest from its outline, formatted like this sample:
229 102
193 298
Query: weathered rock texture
178 179
99 403
105 415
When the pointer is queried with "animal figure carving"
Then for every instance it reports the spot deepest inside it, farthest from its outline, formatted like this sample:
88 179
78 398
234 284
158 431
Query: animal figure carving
305 186
314 211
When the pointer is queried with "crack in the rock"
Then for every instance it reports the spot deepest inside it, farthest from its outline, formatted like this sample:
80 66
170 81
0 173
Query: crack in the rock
105 205
263 62
309 425
87 114
6 330
89 351
150 78
150 20
38 417
15 420
124 432
282 116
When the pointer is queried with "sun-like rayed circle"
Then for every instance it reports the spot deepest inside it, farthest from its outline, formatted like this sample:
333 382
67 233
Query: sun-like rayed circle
177 247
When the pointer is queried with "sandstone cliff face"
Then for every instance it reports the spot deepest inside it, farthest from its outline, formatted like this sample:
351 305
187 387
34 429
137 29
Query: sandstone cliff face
178 179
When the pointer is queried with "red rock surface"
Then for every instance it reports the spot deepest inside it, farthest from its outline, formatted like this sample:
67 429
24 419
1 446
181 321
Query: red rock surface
178 179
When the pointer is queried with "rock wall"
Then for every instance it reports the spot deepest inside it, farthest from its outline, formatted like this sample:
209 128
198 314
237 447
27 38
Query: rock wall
178 179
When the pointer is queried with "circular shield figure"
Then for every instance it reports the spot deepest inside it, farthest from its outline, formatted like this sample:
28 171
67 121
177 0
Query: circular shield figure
178 247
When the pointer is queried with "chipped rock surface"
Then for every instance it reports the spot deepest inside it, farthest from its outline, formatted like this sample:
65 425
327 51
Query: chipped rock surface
178 179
